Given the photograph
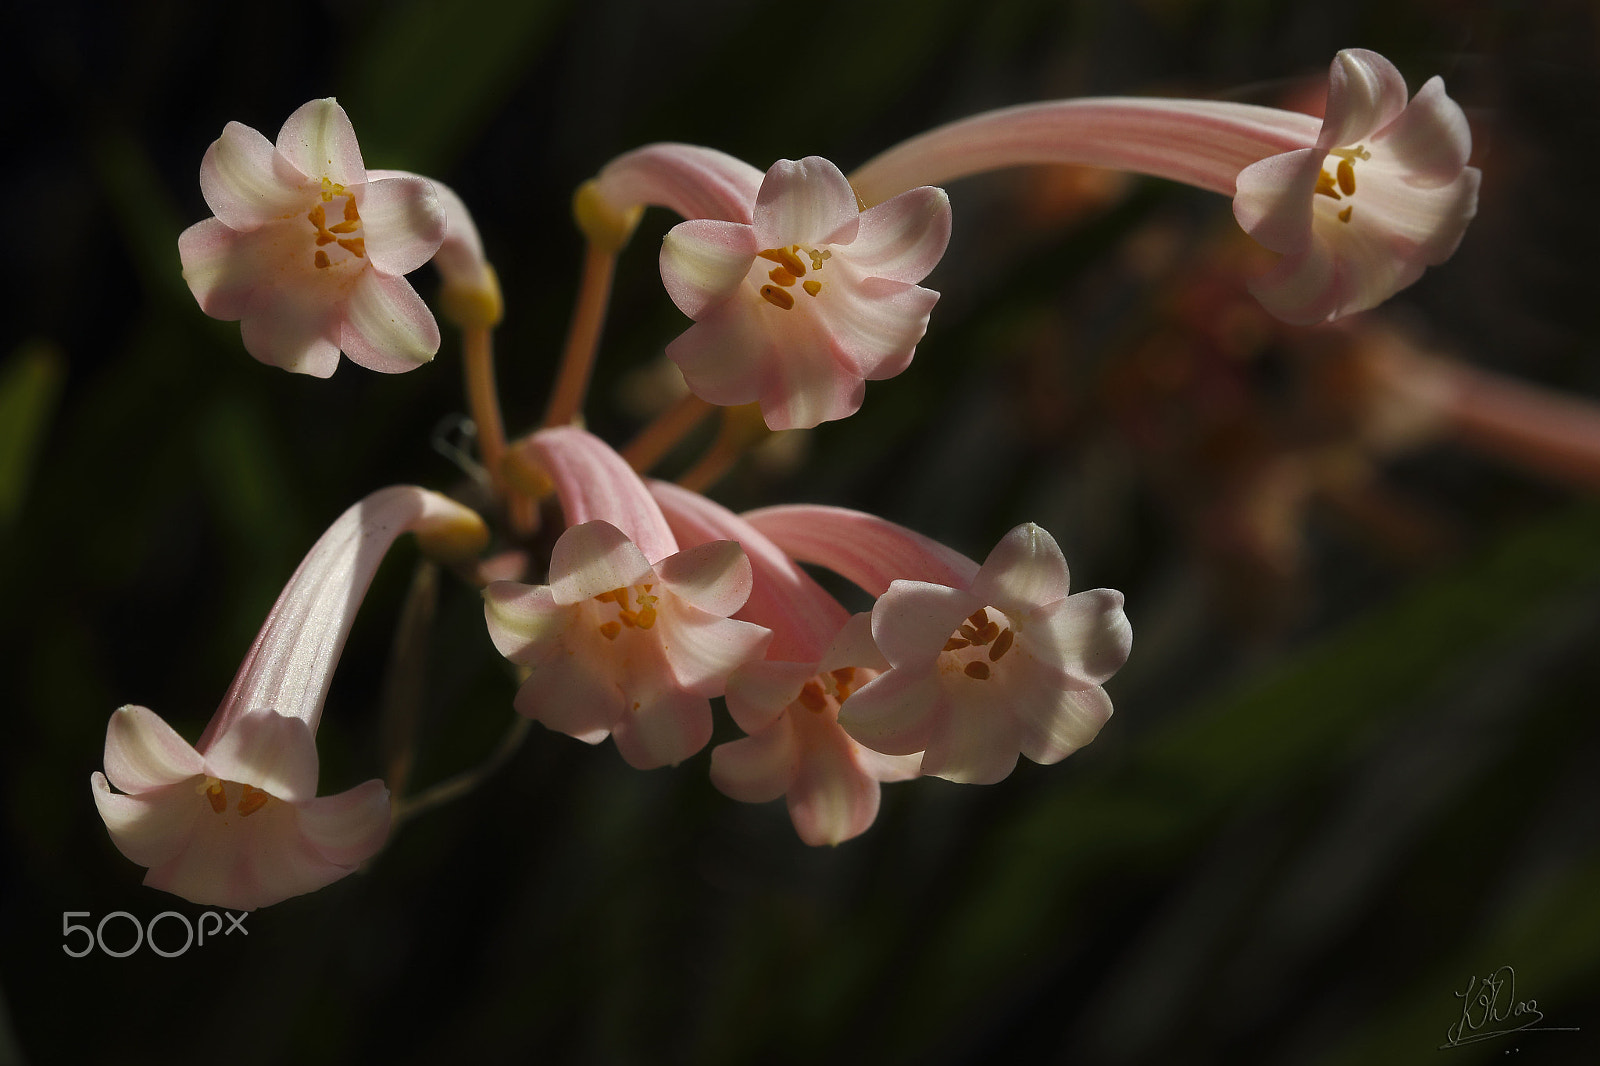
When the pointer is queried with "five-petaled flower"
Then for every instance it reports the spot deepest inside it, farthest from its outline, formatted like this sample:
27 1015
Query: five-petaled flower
797 308
308 253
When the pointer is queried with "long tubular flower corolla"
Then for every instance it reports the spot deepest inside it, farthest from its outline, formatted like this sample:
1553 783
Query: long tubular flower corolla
799 307
308 251
985 662
631 637
235 820
1294 179
789 703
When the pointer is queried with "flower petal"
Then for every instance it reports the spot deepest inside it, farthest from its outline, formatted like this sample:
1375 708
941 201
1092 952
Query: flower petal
804 202
1060 721
704 261
703 649
525 623
245 862
913 619
1272 200
723 354
1085 637
758 768
895 713
241 183
566 695
758 692
978 744
874 324
831 798
149 828
1365 93
273 752
387 327
1026 569
1430 138
594 558
805 384
663 729
903 238
143 752
292 329
319 140
218 268
714 577
349 827
402 222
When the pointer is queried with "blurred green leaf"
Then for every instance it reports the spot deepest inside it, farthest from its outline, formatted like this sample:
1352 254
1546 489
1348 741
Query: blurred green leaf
30 386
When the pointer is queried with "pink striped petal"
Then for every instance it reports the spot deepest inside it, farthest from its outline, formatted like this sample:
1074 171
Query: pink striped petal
896 713
1430 140
759 768
319 140
594 558
241 183
704 261
1026 569
218 269
594 482
695 182
723 355
714 577
903 239
143 752
860 547
913 620
149 828
403 223
978 744
702 649
1057 722
288 329
273 752
349 827
525 623
806 202
387 327
1365 94
663 730
759 692
831 799
1086 637
874 324
568 696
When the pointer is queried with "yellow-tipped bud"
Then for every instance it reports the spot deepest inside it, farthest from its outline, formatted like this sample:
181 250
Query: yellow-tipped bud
473 306
607 227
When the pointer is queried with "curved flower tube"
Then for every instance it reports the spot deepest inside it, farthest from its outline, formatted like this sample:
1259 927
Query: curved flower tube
470 295
307 250
789 703
1002 663
631 637
798 307
235 820
1342 252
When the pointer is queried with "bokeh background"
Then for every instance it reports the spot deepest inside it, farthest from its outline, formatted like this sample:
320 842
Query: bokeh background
1353 763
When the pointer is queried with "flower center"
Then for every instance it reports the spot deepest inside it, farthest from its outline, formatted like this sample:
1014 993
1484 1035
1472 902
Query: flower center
345 234
251 799
1342 182
979 643
643 618
825 692
790 269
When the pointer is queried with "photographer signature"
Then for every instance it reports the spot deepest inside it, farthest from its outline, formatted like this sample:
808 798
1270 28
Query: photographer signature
1493 1001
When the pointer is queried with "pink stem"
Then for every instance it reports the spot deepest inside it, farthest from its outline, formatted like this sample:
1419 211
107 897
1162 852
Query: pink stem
594 482
693 181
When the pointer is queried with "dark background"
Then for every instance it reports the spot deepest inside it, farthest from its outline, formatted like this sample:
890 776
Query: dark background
1353 760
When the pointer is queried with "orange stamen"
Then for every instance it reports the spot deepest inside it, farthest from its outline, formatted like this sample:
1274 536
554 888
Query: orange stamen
1001 645
777 297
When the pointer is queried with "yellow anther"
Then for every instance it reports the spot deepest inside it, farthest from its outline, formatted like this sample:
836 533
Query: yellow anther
610 630
607 597
980 617
317 217
1347 177
777 297
844 680
786 258
628 618
216 795
347 226
817 257
957 643
321 259
356 246
350 212
252 801
1001 645
971 634
812 698
1325 185
647 617
812 286
978 671
1358 152
782 277
325 238
1344 216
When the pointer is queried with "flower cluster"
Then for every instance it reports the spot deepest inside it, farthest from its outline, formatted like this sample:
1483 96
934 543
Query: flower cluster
802 284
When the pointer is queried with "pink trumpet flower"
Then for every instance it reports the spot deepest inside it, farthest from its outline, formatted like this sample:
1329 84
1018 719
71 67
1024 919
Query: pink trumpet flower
985 662
235 820
1358 203
308 251
631 637
789 703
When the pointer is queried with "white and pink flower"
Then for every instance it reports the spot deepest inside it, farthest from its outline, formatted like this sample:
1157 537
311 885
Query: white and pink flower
308 251
235 820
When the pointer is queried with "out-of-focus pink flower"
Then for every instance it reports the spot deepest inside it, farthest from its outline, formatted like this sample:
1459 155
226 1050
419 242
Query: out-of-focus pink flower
631 637
789 702
1384 193
798 307
984 662
235 821
307 253
1344 250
